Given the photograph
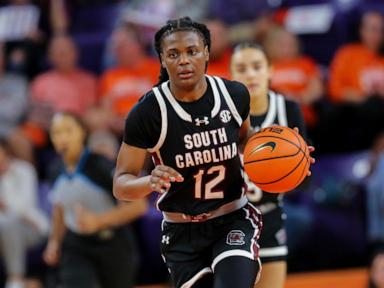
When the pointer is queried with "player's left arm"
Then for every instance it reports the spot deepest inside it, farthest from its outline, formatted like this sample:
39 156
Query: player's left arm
296 121
245 132
241 99
295 118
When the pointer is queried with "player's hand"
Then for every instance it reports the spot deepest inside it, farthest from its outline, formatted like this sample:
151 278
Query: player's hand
311 159
51 253
162 177
87 221
310 149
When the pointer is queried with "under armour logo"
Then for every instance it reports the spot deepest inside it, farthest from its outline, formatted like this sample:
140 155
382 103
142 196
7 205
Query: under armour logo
225 116
165 239
204 121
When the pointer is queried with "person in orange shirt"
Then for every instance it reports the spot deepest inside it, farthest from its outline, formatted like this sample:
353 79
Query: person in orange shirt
357 70
65 87
135 73
220 54
355 116
293 74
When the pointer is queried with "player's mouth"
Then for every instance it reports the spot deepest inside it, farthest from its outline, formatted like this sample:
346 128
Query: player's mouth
186 74
63 150
252 86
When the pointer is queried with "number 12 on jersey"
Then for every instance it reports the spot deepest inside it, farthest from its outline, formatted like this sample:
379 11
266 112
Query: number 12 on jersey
209 192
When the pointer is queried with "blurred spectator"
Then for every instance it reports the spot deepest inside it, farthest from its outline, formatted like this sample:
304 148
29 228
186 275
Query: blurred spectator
149 15
13 104
232 11
22 223
357 70
134 74
139 11
294 75
357 91
58 17
375 195
220 54
252 31
104 143
377 271
88 235
20 19
24 27
65 87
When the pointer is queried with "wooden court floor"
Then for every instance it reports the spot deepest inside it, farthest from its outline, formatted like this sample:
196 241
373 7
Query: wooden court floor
351 278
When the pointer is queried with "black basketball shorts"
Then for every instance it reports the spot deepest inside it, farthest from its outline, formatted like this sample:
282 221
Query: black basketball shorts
273 239
191 250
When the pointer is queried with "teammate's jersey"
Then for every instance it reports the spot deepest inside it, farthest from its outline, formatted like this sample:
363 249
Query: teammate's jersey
283 112
198 139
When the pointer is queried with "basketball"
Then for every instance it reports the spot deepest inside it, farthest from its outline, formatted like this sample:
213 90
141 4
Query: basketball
276 159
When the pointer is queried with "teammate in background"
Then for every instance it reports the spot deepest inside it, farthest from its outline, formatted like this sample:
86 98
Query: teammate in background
376 275
88 236
250 66
192 124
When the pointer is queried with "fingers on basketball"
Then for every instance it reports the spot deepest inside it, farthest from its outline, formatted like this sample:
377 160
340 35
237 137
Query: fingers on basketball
277 159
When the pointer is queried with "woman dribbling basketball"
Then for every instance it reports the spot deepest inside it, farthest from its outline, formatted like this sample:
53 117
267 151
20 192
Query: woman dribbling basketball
249 65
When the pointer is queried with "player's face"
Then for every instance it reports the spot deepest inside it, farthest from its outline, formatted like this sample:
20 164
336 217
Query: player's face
377 270
184 56
67 137
63 53
372 30
250 67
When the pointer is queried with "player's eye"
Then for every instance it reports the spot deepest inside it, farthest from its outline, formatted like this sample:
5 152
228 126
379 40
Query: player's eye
241 69
257 67
172 55
193 52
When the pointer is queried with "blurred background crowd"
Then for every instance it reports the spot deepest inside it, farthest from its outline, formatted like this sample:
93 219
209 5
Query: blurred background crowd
95 59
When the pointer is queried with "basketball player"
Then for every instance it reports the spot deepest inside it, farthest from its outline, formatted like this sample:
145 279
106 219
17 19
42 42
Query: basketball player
192 124
250 66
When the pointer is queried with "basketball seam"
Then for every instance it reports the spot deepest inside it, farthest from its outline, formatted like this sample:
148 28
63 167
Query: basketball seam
276 157
302 172
281 178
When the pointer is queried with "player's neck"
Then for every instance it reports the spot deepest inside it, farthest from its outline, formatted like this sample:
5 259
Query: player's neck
189 94
258 105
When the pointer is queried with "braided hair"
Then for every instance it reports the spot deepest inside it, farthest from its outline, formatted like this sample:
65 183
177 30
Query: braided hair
181 24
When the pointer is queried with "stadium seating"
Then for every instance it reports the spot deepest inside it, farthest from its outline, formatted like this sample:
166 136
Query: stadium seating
335 200
91 35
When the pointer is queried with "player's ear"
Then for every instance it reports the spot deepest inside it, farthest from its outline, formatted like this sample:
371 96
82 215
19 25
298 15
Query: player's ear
206 53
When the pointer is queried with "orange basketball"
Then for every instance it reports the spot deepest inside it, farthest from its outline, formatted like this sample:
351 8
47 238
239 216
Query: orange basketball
276 159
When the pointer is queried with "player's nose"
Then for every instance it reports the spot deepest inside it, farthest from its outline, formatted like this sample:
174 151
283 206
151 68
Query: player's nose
184 59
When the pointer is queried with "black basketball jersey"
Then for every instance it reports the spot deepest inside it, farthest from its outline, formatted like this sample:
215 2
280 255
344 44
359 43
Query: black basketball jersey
284 112
199 139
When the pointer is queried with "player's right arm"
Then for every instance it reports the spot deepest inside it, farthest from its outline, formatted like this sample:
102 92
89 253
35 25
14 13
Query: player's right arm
142 131
127 183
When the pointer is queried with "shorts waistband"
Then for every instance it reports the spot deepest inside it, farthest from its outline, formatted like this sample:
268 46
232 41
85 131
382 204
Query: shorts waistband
175 217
